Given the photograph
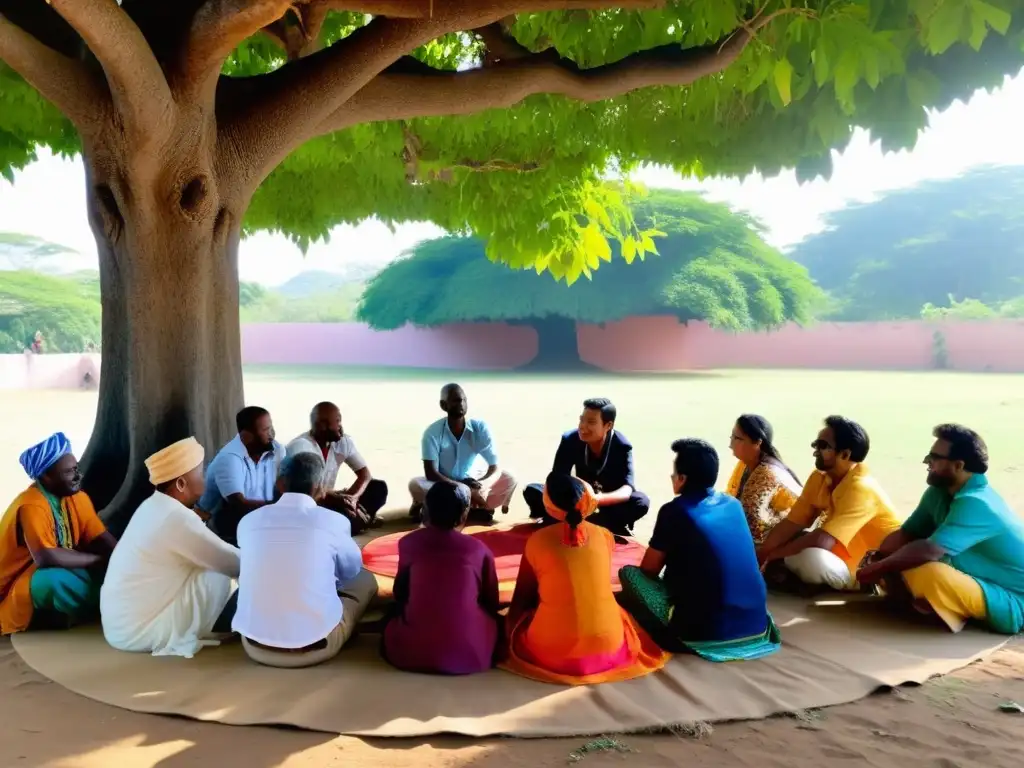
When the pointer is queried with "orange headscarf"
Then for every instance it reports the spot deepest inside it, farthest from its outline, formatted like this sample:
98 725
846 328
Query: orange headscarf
586 505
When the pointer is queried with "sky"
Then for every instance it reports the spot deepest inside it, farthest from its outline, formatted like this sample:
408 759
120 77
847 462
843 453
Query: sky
47 199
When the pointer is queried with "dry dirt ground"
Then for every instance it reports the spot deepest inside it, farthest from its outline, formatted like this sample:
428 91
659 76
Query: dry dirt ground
955 721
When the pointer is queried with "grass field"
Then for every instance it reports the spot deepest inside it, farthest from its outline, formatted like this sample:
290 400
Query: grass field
386 411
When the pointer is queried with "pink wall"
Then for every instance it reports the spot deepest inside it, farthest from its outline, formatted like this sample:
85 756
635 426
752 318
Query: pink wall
637 344
481 346
665 344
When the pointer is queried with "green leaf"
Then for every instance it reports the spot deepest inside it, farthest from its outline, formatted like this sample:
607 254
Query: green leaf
995 17
945 25
821 68
783 78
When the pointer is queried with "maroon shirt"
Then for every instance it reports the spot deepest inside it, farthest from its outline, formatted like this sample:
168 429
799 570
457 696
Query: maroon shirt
447 595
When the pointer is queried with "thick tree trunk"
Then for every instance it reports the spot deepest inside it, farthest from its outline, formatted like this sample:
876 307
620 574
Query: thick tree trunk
171 357
557 347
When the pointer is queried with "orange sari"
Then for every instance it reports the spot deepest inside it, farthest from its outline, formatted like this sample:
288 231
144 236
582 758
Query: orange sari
577 634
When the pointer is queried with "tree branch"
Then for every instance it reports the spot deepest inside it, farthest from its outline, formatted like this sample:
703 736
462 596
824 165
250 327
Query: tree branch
65 82
425 9
137 84
501 46
404 96
218 28
284 107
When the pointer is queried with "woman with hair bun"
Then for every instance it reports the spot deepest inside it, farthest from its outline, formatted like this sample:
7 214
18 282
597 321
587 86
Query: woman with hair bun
765 486
564 623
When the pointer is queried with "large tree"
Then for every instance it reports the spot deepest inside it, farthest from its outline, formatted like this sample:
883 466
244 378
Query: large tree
494 116
959 237
711 265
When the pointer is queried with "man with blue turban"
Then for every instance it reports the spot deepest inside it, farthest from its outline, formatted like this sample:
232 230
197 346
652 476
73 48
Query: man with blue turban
53 546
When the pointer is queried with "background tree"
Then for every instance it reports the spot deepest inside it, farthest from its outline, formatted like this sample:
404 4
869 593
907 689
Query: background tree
65 310
713 266
183 110
959 239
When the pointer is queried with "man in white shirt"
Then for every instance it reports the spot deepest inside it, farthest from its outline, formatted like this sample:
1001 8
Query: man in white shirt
327 440
168 588
302 587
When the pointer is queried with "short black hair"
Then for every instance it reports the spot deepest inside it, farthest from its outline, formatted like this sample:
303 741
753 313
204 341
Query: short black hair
850 436
604 405
698 460
245 419
446 504
302 473
965 445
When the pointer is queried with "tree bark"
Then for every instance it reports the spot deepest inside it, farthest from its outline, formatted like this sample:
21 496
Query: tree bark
557 345
171 357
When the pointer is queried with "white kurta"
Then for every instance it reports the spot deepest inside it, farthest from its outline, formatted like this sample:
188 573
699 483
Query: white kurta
168 580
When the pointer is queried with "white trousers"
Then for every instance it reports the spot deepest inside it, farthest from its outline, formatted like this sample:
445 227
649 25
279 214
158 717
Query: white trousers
820 566
497 494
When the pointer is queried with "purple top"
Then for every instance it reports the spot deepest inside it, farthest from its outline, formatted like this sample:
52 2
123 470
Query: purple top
447 595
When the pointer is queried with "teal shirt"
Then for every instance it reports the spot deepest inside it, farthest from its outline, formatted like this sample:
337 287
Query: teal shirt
983 538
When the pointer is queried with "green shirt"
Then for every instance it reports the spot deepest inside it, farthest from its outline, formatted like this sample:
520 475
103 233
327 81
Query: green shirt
983 538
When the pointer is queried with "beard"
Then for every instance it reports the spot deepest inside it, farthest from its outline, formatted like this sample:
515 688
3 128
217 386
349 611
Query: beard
939 481
819 463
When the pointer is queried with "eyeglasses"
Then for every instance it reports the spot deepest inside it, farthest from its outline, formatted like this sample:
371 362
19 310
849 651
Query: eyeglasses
821 445
933 457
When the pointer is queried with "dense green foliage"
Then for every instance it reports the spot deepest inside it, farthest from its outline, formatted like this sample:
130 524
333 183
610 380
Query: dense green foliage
336 305
972 309
955 246
65 310
528 179
713 265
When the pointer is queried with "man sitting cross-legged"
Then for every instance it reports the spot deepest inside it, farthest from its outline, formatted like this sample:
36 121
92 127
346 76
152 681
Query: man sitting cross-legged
327 440
302 588
53 546
602 457
241 476
856 514
712 600
455 449
169 584
960 555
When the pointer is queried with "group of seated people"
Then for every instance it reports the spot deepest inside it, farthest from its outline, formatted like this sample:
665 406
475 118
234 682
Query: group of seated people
270 518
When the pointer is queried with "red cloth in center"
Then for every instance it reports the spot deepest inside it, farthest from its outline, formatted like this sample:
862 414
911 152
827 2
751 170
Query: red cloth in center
380 556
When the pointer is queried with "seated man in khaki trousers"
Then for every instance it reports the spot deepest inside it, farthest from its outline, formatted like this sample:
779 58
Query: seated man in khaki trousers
456 450
301 587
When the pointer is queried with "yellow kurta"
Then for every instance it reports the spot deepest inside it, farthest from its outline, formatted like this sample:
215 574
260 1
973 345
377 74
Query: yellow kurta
857 513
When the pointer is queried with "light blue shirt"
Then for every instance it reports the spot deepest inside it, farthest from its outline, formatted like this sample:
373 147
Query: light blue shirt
983 538
233 471
459 458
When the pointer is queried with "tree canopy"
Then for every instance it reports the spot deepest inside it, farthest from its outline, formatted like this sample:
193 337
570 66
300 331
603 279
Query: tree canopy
940 244
711 265
531 101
